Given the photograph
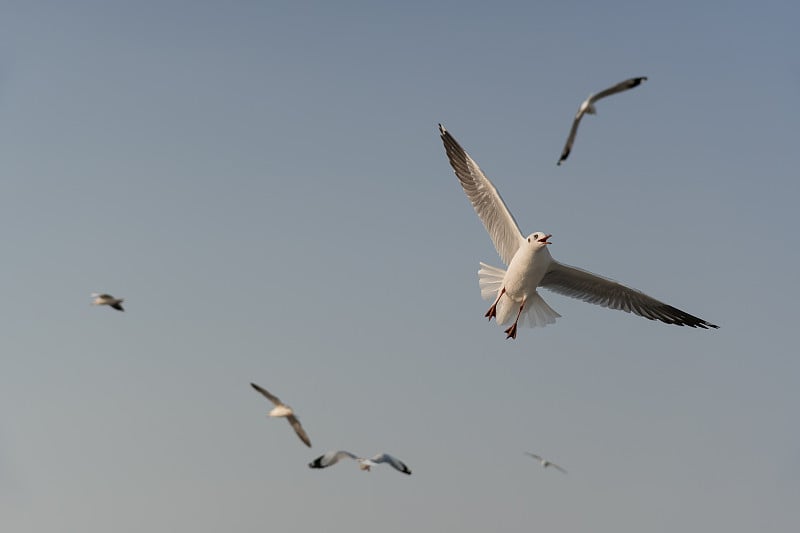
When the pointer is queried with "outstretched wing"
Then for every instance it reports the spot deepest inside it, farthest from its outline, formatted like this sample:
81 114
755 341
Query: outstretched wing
557 467
583 285
298 428
571 138
537 457
271 397
394 461
488 204
330 458
618 88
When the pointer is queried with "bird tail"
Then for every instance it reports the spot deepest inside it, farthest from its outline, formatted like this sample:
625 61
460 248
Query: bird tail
536 313
490 279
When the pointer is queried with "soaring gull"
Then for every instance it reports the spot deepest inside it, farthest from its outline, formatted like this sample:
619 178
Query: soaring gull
530 264
545 463
107 299
281 409
331 458
587 106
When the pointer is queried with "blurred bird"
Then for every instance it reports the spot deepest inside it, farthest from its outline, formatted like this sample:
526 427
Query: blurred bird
587 106
283 410
107 299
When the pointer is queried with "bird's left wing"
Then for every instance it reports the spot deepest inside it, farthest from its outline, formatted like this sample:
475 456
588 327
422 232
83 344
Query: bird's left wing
271 397
591 288
491 209
571 138
394 461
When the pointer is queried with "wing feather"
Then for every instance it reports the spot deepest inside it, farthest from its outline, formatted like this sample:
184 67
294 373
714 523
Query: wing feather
488 204
271 397
618 88
298 428
591 288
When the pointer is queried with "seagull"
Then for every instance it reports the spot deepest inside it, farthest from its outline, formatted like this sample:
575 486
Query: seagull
545 463
588 107
281 409
107 299
331 458
530 264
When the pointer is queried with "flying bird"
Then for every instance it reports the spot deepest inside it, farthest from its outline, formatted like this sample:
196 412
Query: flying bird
530 264
545 463
281 409
331 458
587 106
107 299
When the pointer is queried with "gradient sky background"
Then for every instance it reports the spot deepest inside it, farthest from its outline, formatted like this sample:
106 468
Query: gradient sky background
263 182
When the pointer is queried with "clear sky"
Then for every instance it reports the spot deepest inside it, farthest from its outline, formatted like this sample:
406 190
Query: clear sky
264 184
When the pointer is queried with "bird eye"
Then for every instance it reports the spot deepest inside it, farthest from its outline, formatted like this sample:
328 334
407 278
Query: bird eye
529 239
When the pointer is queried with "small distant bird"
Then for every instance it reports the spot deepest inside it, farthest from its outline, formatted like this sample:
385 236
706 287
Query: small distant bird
588 107
333 457
283 410
530 264
107 299
545 463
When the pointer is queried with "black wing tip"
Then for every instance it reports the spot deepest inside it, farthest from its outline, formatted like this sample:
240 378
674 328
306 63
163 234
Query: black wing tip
118 307
316 463
442 130
637 81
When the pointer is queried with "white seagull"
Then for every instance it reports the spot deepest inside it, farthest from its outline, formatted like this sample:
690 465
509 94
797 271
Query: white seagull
331 458
283 410
587 106
107 299
530 264
545 463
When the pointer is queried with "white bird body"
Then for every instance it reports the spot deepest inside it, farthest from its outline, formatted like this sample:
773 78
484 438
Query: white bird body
281 410
530 264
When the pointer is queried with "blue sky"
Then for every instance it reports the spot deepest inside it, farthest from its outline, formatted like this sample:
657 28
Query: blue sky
265 186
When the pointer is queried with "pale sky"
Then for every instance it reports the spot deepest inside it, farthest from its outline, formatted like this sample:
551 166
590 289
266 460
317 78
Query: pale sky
264 184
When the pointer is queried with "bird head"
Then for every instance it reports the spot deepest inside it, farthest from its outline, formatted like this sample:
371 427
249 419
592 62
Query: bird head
539 239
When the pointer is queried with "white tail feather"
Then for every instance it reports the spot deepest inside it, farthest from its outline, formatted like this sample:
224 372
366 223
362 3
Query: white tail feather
536 313
490 279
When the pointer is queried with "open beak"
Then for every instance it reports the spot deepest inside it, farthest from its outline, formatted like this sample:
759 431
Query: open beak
544 239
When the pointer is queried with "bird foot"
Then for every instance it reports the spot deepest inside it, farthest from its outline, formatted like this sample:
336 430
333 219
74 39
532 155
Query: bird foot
492 312
511 333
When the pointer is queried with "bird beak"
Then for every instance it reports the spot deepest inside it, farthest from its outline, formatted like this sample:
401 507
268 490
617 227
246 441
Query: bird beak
545 239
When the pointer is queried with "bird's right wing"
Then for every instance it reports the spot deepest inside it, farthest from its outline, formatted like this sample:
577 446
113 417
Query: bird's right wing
537 457
271 397
618 88
558 468
298 428
488 204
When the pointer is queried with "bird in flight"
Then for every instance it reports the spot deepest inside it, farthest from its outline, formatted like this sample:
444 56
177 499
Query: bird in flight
545 463
331 458
283 410
530 264
107 299
587 106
